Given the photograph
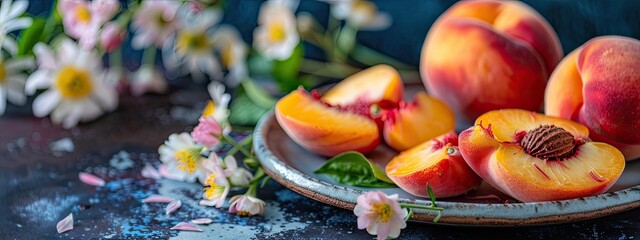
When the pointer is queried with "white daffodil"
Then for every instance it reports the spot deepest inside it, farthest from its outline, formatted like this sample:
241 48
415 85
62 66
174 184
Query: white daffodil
76 85
11 20
233 53
154 23
190 50
219 107
217 188
360 14
181 158
12 80
276 35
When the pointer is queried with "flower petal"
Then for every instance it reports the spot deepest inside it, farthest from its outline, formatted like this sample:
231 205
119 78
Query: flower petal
185 226
208 203
45 103
158 199
91 179
202 221
150 172
65 224
173 206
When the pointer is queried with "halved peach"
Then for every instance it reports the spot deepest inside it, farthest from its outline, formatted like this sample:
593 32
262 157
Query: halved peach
436 162
374 85
413 123
533 157
323 129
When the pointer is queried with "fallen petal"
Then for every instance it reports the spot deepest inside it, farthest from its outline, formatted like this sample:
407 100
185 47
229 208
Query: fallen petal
91 179
173 206
202 221
185 226
65 224
150 172
158 199
208 203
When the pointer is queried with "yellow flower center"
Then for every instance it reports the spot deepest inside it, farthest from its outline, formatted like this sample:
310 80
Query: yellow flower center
276 32
189 41
209 109
74 83
83 14
188 159
363 11
227 56
3 74
383 211
160 19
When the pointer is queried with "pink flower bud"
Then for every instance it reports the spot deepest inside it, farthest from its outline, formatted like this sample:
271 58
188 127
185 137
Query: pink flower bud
112 37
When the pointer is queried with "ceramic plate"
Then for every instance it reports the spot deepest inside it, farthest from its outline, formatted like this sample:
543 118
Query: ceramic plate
293 167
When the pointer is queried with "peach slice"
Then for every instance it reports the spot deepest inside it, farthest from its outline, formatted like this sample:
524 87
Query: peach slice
323 129
436 162
380 83
413 123
533 157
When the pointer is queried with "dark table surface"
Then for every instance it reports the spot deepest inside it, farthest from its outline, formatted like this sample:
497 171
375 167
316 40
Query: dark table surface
39 187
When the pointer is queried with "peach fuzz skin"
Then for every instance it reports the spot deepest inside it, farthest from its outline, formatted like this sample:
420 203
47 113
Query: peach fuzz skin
430 163
380 83
322 129
485 55
492 150
598 85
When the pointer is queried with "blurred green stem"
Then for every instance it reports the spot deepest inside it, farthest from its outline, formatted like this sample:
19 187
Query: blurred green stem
372 57
327 69
149 56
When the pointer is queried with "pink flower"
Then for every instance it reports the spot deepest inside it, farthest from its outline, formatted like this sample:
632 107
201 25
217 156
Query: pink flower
207 132
82 19
154 23
380 214
112 36
245 205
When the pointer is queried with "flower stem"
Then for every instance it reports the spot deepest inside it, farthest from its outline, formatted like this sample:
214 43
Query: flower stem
410 205
243 142
327 69
149 56
371 57
237 146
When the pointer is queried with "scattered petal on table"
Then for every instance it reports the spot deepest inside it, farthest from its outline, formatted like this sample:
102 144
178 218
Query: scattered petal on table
185 226
65 224
91 179
158 199
150 172
202 221
208 203
173 206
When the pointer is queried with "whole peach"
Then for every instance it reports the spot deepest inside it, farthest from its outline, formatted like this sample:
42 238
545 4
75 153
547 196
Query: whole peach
598 85
486 55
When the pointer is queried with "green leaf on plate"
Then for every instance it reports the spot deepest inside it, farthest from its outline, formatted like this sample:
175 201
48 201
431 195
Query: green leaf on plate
258 95
30 36
353 168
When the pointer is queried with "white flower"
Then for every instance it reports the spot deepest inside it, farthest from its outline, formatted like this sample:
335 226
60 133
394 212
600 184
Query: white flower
217 188
154 23
181 157
12 80
237 176
147 79
11 20
363 15
380 214
76 85
191 49
276 35
245 205
233 53
219 108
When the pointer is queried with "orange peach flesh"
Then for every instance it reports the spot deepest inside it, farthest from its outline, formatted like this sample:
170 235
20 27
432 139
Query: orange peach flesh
417 122
491 150
322 129
374 84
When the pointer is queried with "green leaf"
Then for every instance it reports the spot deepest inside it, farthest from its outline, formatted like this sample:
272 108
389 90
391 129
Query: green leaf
286 71
258 95
409 214
353 168
431 196
244 112
30 36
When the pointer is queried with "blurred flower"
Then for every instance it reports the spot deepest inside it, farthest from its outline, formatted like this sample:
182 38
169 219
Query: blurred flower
233 52
12 80
217 188
147 79
190 51
11 20
363 15
182 158
77 88
245 205
276 35
219 108
237 176
207 132
154 23
306 22
83 19
112 36
380 214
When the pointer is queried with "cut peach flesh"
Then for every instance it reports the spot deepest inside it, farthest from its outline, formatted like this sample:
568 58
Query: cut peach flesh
374 84
323 129
415 159
506 123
